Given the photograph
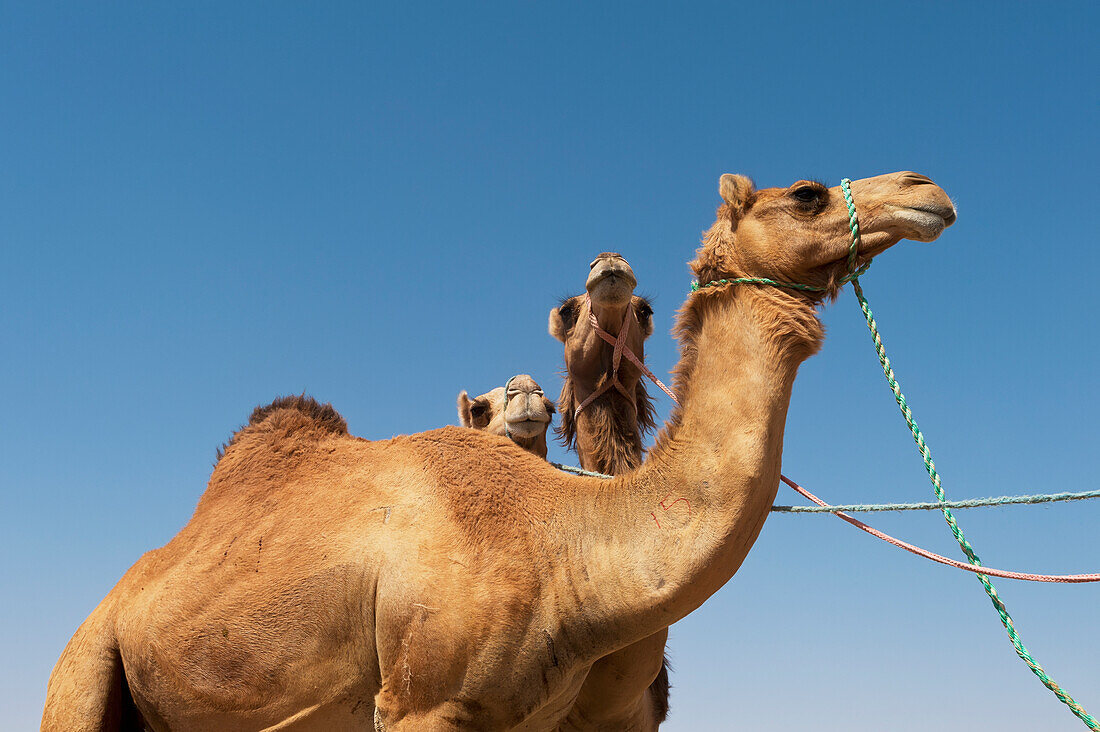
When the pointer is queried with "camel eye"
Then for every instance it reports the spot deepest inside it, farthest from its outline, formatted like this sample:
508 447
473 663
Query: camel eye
805 194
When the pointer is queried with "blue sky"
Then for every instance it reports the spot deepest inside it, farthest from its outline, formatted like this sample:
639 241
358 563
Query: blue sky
204 207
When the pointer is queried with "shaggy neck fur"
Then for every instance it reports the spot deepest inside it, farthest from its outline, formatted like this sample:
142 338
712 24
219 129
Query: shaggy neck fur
612 428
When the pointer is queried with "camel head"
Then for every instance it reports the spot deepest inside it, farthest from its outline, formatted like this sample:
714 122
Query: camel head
519 410
800 233
619 414
610 287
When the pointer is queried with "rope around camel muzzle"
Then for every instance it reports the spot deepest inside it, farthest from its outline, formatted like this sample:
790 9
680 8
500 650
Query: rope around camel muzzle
975 563
620 349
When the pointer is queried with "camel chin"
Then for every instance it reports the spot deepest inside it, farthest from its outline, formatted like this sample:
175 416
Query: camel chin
611 281
612 292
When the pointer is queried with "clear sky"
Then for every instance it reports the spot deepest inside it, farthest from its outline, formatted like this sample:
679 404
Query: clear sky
204 207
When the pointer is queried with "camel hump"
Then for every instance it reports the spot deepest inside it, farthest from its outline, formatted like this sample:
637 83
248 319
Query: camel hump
290 414
323 416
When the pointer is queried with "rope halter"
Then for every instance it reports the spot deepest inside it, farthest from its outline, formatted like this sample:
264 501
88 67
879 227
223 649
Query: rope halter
853 254
504 414
620 349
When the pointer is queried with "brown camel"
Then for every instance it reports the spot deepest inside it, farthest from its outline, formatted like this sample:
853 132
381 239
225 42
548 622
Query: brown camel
518 410
604 411
448 580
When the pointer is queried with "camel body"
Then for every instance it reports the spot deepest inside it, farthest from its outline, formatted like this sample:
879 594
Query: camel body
450 580
295 627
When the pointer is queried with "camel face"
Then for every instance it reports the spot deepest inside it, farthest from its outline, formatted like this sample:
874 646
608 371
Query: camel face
527 411
518 410
611 281
800 233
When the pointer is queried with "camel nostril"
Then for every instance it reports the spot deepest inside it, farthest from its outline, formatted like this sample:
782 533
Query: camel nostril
916 179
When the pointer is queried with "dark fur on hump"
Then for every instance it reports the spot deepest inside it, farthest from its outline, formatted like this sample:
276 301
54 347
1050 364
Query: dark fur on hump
618 441
323 417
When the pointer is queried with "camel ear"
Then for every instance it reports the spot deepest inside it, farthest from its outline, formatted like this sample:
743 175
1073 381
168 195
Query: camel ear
736 190
480 413
560 322
464 417
644 312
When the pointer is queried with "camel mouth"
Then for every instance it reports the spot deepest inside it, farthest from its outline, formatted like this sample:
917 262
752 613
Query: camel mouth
612 275
924 222
945 212
527 427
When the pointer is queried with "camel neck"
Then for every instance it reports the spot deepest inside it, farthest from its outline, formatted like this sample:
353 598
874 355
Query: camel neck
535 445
689 515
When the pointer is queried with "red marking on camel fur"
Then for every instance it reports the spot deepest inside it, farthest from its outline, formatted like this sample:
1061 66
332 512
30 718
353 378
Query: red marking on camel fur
674 503
665 507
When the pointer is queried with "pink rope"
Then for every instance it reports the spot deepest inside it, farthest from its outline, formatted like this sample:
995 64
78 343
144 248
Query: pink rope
977 569
620 349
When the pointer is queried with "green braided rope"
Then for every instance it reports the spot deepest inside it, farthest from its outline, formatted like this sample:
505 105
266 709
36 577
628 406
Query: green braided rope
695 286
971 555
936 505
926 454
934 476
878 507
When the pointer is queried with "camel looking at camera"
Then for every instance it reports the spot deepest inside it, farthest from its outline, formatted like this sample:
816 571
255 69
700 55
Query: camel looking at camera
605 409
518 410
448 581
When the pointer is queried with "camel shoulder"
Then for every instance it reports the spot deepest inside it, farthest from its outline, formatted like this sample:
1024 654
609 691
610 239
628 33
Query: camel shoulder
489 485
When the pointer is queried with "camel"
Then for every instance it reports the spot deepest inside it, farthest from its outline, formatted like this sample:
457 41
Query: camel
518 410
605 409
450 580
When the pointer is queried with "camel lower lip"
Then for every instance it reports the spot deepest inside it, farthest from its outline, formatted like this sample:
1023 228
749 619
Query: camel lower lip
926 223
613 275
532 424
947 215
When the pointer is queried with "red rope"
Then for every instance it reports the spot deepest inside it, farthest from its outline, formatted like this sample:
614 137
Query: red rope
977 569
